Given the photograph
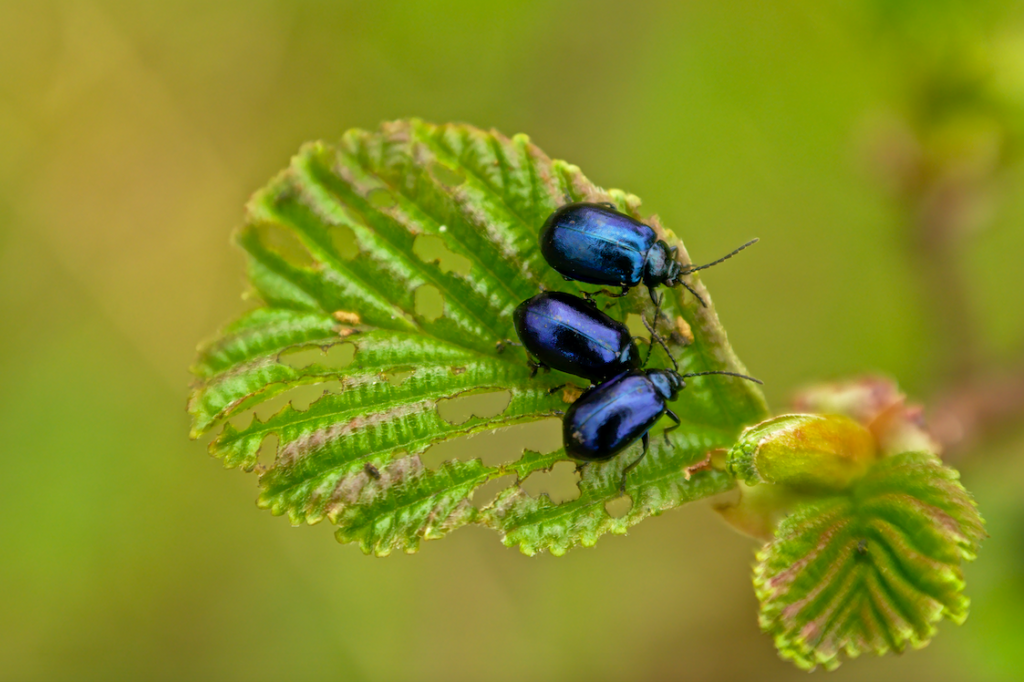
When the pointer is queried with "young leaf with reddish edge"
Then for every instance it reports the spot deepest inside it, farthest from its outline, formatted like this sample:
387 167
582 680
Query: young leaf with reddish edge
335 255
873 570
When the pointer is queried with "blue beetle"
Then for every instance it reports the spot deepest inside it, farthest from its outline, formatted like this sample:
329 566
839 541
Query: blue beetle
567 333
609 417
596 244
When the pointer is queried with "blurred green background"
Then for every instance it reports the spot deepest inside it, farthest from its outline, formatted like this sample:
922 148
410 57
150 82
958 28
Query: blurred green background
131 135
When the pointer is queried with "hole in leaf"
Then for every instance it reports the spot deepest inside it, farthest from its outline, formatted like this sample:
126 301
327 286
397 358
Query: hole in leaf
242 420
445 175
331 357
398 375
485 494
300 358
498 446
636 326
285 244
381 198
560 483
619 507
475 403
268 451
343 239
429 302
432 249
301 397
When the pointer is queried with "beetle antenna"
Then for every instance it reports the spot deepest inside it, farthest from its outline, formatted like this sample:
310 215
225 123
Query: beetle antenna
695 294
731 374
687 269
656 337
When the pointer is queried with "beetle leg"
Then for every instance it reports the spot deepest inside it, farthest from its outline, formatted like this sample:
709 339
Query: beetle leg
671 415
612 294
500 346
657 301
589 297
556 388
534 366
646 440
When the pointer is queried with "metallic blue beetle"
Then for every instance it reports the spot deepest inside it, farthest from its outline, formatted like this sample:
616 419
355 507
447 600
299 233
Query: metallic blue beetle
609 417
596 244
567 333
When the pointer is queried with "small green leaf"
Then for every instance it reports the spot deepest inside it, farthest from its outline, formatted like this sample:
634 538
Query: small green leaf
402 253
873 570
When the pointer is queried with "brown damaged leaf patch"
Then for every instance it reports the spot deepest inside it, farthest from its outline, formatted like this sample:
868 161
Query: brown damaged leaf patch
363 488
303 446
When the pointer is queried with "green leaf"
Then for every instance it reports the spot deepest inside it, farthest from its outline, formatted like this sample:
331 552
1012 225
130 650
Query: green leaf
402 253
873 570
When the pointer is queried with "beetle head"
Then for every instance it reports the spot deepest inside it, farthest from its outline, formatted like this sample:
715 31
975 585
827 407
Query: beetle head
661 266
666 382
